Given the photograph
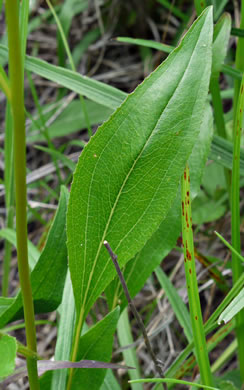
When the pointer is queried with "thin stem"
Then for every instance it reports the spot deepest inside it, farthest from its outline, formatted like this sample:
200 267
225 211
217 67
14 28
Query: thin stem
17 103
134 311
237 269
191 282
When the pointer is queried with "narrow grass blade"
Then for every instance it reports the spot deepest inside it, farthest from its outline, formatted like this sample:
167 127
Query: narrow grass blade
147 43
125 338
230 247
65 334
176 302
59 156
97 91
174 381
191 282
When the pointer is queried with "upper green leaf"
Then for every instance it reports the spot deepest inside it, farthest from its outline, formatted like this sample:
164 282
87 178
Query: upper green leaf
128 175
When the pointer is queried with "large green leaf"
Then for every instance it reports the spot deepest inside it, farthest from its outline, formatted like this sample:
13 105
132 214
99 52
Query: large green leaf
96 343
163 240
48 276
128 175
8 351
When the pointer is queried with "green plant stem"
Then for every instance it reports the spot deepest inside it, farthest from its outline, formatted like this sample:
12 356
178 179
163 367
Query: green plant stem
220 122
191 282
239 62
17 104
235 220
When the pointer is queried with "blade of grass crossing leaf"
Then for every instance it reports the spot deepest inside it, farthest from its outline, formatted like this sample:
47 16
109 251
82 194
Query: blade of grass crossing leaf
176 302
65 334
230 246
191 282
238 32
58 155
174 381
112 173
234 307
125 338
222 153
147 43
67 49
235 73
237 268
97 91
